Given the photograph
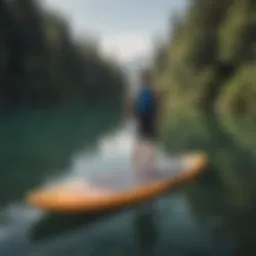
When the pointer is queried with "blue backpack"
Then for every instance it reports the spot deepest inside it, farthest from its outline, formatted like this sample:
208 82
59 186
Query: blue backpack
145 102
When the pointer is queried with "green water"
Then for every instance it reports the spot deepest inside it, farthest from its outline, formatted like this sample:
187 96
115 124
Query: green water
212 216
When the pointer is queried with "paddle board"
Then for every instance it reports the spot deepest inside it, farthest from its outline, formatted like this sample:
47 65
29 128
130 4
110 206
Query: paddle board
127 189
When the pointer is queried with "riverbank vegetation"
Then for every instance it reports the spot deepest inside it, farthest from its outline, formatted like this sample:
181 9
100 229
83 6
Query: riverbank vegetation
209 62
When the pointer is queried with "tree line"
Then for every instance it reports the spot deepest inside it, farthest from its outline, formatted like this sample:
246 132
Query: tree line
42 65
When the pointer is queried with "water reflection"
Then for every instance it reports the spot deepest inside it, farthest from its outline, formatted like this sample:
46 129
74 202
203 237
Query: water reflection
145 228
212 216
167 226
223 199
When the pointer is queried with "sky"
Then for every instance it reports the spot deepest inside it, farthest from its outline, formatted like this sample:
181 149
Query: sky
125 29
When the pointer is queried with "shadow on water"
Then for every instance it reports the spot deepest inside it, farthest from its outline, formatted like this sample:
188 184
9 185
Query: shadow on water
145 226
53 225
223 198
142 221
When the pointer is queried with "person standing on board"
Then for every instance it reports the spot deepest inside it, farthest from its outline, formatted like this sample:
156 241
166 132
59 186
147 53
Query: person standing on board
143 107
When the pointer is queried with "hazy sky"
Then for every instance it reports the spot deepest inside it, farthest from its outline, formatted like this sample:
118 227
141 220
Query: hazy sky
125 28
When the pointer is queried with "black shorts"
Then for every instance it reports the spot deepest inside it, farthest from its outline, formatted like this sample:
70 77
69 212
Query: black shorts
146 127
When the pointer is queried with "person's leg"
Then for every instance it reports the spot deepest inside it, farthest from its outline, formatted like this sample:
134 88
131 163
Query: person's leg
144 152
141 154
138 144
150 152
150 144
136 152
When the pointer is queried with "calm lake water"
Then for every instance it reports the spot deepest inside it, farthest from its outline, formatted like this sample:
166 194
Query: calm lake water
215 215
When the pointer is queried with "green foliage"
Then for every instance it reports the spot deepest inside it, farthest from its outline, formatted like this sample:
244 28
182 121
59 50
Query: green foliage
239 94
237 34
213 41
41 65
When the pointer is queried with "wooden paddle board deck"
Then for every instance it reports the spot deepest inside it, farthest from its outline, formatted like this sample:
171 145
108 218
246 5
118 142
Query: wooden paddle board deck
84 196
